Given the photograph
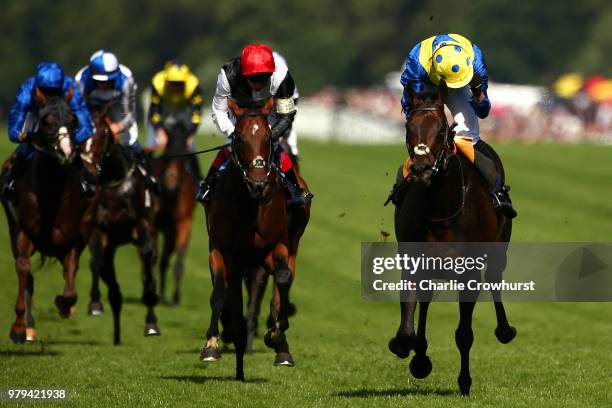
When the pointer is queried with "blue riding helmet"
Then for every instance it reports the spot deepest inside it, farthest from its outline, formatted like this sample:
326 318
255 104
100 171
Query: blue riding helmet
49 75
104 66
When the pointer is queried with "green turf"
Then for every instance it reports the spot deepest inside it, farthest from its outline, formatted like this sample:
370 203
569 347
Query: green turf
561 357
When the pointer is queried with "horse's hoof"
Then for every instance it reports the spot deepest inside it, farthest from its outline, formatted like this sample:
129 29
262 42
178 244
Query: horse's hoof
401 346
505 334
291 309
273 338
465 383
95 309
18 336
210 354
420 366
283 359
65 306
151 329
31 334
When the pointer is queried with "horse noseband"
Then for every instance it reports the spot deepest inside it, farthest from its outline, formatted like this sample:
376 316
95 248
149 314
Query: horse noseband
421 149
258 163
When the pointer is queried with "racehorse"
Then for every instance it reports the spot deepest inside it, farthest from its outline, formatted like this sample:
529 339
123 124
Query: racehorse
444 199
248 228
257 280
124 214
49 214
177 203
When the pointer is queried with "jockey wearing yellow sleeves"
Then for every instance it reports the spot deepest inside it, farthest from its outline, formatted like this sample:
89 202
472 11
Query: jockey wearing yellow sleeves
175 93
461 65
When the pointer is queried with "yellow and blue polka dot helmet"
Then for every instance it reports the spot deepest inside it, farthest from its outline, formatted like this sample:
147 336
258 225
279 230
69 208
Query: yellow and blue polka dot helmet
453 64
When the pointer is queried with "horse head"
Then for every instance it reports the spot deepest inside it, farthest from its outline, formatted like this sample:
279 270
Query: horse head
252 147
429 139
57 125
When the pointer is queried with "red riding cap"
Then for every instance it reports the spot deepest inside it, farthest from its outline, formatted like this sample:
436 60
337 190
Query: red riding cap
257 59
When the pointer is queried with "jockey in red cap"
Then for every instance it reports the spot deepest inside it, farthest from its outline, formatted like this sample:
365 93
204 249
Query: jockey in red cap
250 80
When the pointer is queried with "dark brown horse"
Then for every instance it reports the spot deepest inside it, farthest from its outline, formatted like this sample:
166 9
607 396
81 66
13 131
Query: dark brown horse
123 214
49 214
444 199
176 207
248 228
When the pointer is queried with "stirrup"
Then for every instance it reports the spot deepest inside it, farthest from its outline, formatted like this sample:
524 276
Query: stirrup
299 196
203 193
87 189
393 196
8 190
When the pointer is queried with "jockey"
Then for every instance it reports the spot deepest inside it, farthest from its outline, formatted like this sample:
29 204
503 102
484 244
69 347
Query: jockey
251 80
460 63
176 95
23 122
106 82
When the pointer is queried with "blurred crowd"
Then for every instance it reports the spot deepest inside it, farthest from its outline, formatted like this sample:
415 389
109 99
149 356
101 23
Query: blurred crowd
573 109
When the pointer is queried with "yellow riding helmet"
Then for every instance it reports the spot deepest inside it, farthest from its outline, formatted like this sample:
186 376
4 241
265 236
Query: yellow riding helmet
453 64
176 72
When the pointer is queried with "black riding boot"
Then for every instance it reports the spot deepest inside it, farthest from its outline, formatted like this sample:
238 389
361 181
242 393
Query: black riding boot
297 195
88 181
9 188
206 186
146 170
484 160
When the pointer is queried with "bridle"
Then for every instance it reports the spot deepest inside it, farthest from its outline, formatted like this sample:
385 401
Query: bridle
258 162
52 140
448 150
443 157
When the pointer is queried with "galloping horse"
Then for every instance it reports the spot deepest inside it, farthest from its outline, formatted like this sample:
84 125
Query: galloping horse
177 203
50 215
249 228
123 214
444 199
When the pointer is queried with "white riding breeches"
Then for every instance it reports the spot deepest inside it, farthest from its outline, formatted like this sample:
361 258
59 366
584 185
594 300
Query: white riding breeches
458 102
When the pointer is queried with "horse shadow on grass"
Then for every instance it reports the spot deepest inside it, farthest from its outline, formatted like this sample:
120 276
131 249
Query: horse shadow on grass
395 392
201 379
38 352
224 350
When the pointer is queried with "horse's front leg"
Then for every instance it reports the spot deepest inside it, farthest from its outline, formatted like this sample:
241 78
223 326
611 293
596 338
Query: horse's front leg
219 273
504 332
464 338
405 338
95 307
147 249
278 263
256 286
24 249
66 301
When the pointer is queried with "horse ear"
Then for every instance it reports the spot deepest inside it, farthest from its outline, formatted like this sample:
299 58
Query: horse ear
39 97
236 110
70 94
268 107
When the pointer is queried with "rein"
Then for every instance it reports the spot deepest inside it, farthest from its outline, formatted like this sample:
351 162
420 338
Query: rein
442 160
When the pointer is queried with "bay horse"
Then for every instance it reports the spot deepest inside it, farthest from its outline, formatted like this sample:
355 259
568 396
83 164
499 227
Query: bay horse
444 199
49 214
124 214
177 204
248 228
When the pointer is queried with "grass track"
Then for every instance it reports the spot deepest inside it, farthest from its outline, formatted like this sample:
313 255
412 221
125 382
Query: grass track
561 357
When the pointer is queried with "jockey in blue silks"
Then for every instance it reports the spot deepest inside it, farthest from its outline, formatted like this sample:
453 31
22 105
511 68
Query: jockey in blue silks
460 63
106 82
23 122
